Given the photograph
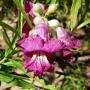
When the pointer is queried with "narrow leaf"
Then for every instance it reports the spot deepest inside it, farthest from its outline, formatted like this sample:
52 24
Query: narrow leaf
25 84
5 78
6 26
7 39
84 23
76 4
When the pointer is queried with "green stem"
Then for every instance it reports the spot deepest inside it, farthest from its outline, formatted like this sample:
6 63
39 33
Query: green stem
23 12
3 60
20 20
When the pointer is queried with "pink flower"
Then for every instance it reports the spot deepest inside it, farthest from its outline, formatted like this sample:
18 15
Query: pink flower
38 50
70 41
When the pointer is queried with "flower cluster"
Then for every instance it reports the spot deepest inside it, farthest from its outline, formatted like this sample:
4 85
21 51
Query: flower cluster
40 46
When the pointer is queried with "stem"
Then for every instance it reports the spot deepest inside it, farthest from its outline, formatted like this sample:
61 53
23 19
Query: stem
3 60
23 12
20 20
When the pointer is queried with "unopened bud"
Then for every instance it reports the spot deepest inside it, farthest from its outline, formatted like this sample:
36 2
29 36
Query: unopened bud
53 23
39 19
38 9
52 8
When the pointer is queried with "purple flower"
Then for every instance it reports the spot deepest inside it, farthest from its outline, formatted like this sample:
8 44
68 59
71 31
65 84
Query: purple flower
65 37
38 57
38 50
70 42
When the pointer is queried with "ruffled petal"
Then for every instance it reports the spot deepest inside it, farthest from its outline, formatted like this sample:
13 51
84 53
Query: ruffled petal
53 45
38 65
30 43
63 36
70 41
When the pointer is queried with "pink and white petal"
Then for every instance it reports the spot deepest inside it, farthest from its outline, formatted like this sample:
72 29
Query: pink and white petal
63 36
39 65
41 29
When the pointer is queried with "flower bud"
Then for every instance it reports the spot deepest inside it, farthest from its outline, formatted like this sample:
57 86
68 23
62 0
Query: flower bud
53 23
52 8
39 19
38 9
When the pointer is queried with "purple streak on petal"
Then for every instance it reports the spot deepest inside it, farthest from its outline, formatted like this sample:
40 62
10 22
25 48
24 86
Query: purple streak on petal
26 28
41 29
29 9
28 6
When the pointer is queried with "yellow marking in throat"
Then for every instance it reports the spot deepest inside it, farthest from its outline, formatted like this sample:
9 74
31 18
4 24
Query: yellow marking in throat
34 56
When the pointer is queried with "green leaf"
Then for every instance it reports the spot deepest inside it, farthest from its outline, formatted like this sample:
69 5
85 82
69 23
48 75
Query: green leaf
85 9
51 87
7 52
15 64
76 4
14 40
19 65
5 78
84 23
24 84
48 1
7 39
6 26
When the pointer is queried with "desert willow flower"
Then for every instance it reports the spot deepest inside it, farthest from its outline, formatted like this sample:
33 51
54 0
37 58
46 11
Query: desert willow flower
38 50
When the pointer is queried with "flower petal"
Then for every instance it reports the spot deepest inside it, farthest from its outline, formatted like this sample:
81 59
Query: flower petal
39 65
30 44
26 28
28 6
70 41
53 46
41 29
